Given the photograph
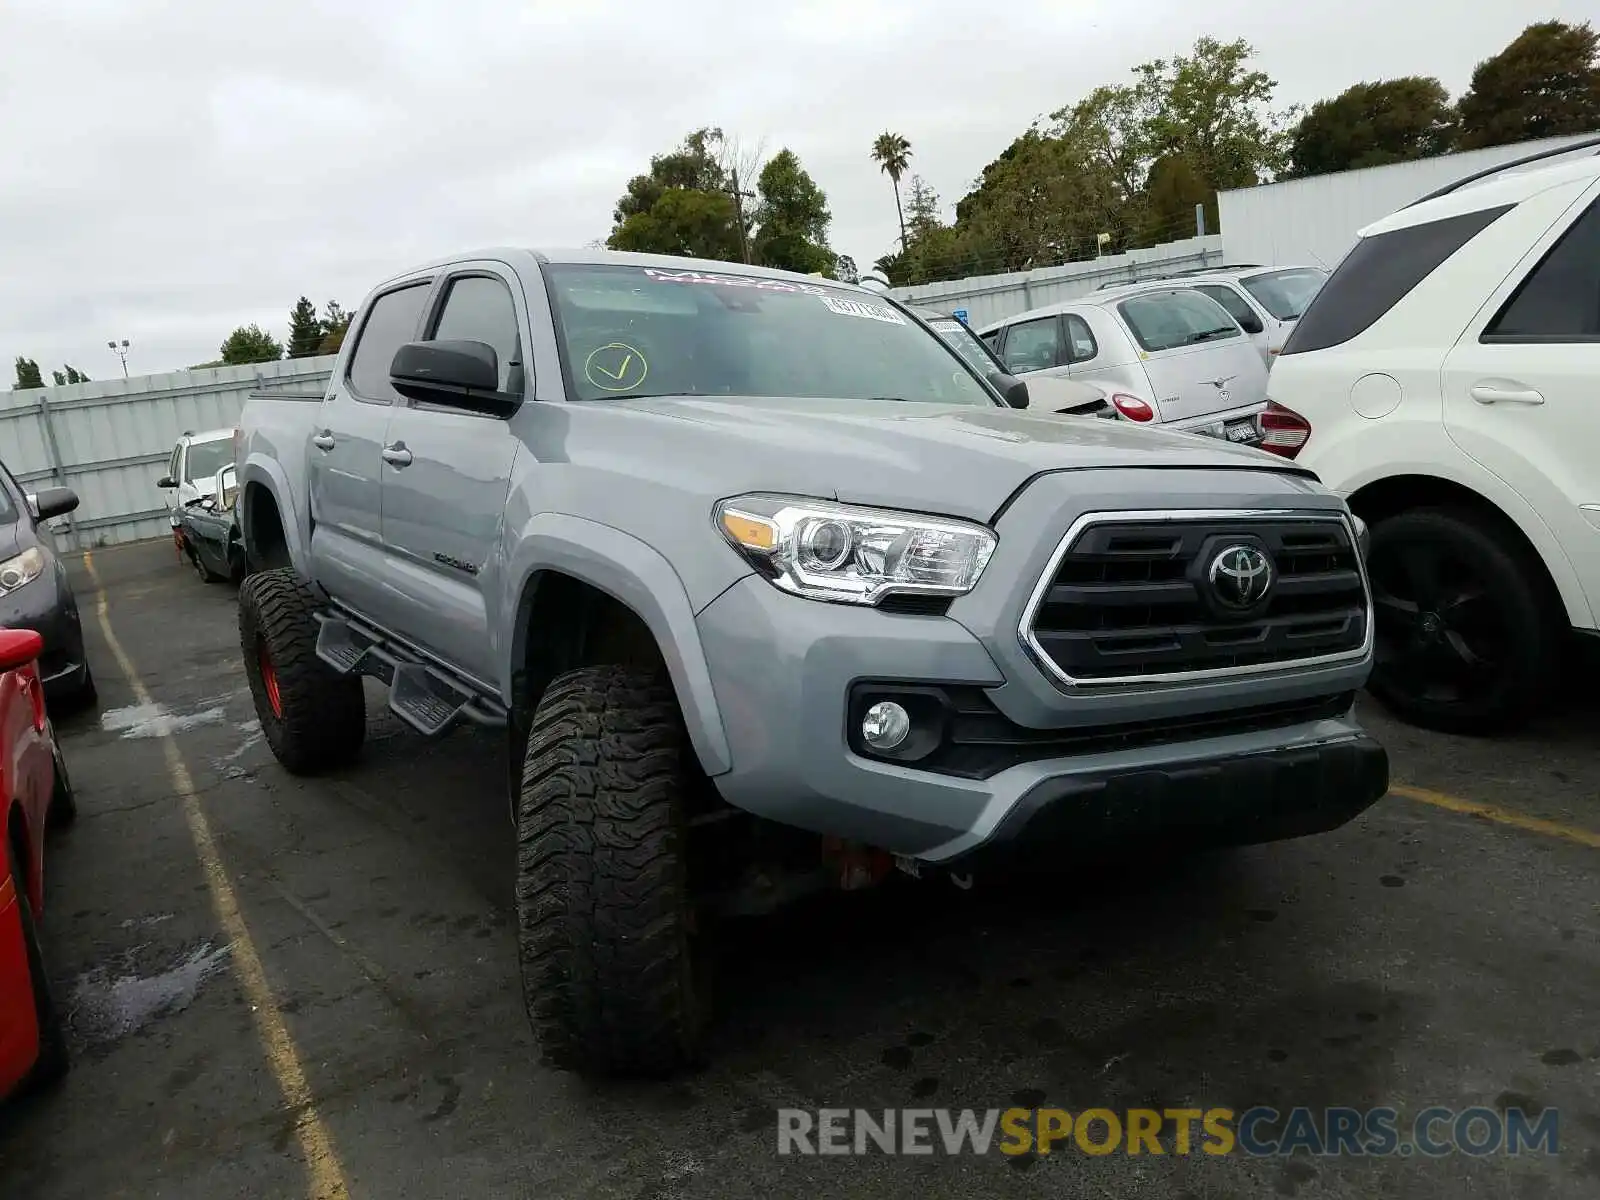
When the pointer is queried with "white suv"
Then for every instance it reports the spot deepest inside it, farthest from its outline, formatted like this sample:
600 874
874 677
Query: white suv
1449 371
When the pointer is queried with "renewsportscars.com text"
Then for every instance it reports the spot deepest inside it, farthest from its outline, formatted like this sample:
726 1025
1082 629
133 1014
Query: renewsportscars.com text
1256 1132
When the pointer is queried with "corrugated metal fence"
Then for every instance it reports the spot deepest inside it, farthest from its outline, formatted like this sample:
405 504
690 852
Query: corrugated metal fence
990 298
109 440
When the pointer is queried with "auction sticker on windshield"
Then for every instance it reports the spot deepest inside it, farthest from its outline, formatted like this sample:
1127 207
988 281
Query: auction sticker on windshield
855 308
744 281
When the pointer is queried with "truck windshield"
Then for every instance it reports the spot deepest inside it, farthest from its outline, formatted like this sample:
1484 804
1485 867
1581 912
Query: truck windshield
966 344
206 459
647 331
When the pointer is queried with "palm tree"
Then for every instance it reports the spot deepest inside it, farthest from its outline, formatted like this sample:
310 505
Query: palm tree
892 153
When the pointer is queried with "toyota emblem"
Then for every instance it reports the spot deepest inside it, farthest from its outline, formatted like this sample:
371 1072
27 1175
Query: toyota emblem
1241 577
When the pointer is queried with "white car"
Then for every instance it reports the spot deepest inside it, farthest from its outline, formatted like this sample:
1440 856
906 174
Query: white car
1449 372
1266 301
1167 356
192 469
1064 396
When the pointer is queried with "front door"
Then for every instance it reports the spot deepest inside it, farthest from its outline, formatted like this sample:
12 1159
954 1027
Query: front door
344 455
1520 389
446 474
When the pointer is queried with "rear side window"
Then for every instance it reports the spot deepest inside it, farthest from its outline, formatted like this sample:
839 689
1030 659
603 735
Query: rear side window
1080 340
390 324
1285 294
1033 346
1559 301
1167 320
1378 273
1234 303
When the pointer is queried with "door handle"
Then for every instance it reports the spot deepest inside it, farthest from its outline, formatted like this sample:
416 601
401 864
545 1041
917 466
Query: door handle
1493 393
397 455
323 440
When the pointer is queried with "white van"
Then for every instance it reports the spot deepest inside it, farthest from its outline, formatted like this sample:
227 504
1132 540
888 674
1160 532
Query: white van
1169 356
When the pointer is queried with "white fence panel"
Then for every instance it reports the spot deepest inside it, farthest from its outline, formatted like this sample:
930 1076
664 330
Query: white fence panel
991 298
109 440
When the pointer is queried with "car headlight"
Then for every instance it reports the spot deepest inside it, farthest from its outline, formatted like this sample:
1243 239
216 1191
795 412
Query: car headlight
852 555
21 570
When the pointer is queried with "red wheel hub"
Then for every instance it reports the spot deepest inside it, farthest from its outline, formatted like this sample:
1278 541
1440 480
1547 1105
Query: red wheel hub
269 681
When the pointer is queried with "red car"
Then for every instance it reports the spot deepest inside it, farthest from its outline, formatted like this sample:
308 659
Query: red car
34 792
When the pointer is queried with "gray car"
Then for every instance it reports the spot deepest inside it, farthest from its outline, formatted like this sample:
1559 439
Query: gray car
1164 355
767 587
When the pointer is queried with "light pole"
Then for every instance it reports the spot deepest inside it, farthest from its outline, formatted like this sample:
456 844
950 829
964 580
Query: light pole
121 351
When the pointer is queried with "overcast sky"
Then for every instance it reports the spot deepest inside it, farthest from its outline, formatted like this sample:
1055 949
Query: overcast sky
170 169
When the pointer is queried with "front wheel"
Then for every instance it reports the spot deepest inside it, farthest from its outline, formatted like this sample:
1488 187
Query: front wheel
605 921
1467 635
313 717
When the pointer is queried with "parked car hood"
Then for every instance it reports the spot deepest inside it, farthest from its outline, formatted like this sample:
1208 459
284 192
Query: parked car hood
965 460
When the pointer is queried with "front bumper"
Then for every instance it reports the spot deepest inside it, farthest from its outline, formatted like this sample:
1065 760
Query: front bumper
48 607
784 670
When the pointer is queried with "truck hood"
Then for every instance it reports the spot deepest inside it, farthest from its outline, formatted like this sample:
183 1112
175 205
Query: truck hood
958 459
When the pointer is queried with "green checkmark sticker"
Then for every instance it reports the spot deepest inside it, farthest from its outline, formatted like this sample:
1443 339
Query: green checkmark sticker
615 367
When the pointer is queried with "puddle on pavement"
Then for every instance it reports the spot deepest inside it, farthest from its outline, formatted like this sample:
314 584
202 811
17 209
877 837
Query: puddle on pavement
106 1006
155 720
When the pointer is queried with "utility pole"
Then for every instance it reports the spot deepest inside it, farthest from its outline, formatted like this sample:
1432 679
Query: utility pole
121 351
738 211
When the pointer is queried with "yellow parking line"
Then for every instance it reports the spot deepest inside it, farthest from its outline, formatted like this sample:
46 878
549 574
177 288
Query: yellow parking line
1501 816
327 1180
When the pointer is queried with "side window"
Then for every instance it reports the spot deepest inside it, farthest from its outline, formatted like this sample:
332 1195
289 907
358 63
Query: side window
478 308
1080 340
1236 306
1377 274
1033 346
1560 298
391 322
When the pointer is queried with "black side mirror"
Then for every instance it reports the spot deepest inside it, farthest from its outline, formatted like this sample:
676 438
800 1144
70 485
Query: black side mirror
165 482
1251 323
459 374
54 502
1012 389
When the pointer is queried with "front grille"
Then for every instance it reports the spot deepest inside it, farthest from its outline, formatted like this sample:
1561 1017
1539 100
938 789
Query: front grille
1132 598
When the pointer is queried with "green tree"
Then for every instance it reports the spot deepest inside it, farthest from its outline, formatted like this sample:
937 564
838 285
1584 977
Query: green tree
28 374
335 322
70 375
845 270
683 205
250 344
305 329
791 218
892 153
1544 84
1371 124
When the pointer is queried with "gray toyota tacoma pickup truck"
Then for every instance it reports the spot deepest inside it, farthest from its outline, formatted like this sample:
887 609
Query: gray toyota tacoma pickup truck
767 584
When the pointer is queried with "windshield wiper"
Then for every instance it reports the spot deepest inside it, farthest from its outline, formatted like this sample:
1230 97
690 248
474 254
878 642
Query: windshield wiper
1205 335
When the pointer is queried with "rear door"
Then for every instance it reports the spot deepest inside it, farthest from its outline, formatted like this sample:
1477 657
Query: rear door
446 473
344 456
1198 360
1522 385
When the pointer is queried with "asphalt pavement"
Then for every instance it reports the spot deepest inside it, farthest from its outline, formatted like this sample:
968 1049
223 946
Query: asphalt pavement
290 988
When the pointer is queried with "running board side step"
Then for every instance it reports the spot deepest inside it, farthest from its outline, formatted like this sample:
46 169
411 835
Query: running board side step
420 694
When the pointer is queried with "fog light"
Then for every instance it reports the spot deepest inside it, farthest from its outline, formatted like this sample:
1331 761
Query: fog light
885 725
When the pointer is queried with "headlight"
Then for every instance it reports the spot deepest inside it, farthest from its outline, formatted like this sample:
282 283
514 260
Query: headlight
854 555
23 569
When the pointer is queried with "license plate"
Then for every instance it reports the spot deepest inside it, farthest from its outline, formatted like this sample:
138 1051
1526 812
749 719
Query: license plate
1241 431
